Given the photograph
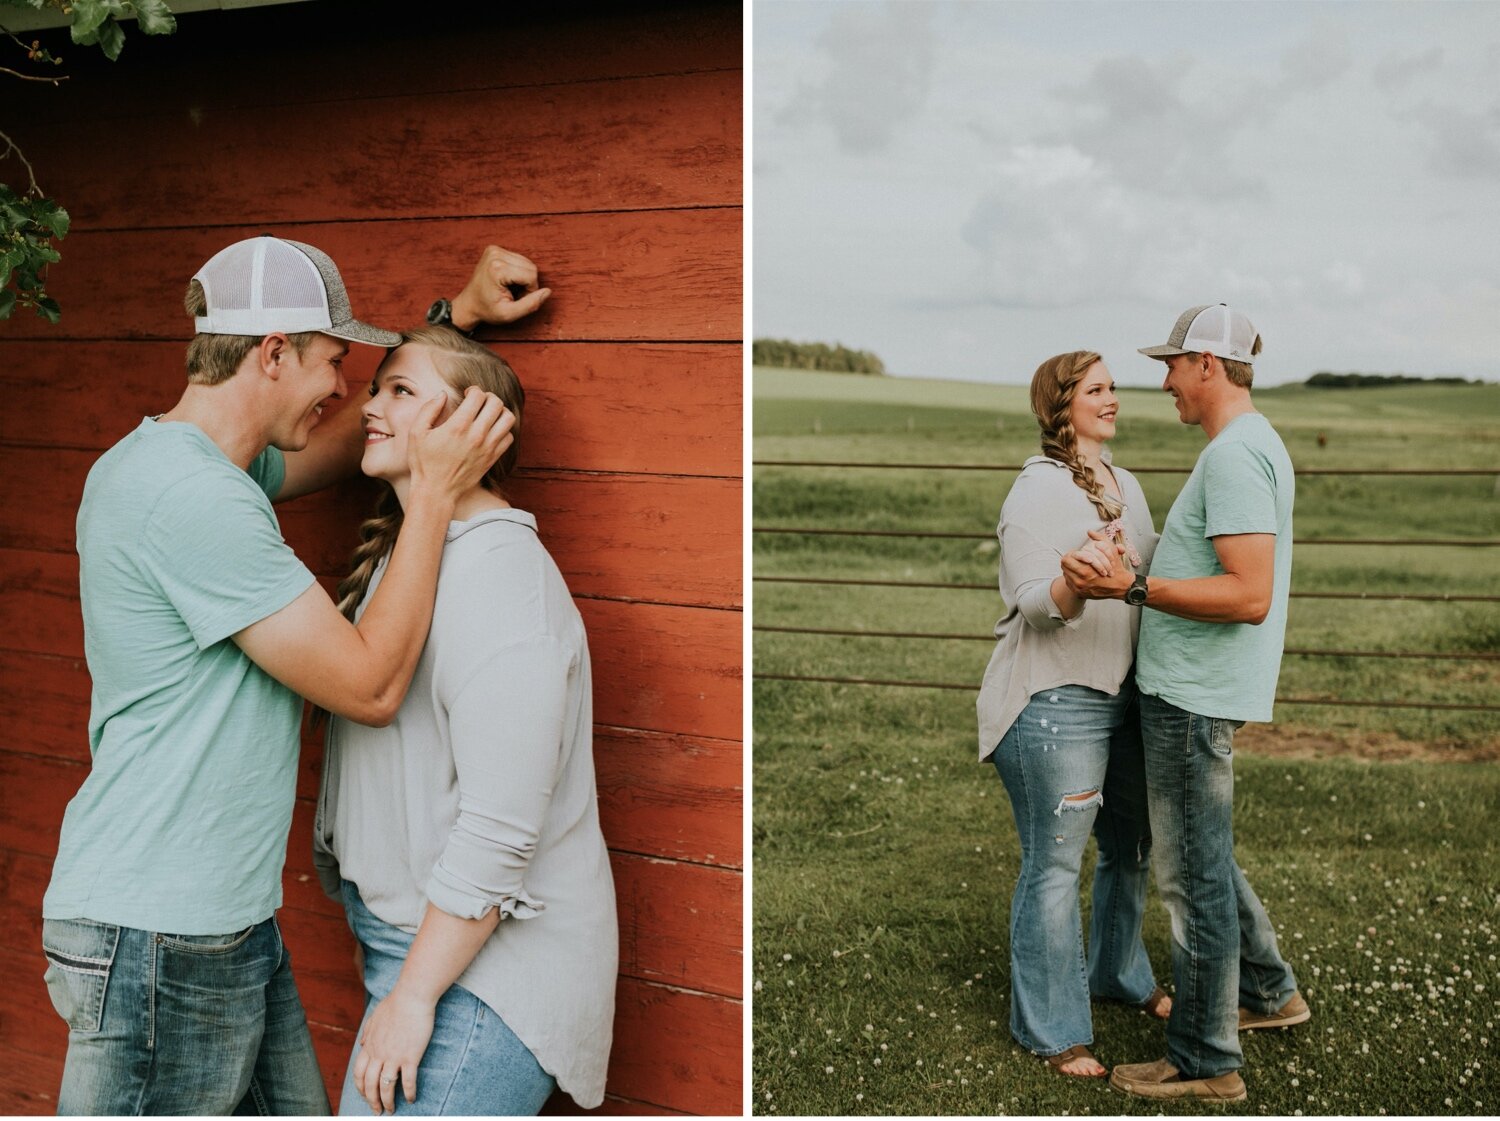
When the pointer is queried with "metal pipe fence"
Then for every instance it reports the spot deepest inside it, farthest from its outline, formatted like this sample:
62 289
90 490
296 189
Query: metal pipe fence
823 531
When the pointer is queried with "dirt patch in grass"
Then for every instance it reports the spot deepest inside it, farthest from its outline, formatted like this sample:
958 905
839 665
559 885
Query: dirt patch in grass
1288 741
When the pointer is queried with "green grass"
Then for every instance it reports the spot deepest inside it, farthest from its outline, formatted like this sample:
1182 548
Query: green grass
884 855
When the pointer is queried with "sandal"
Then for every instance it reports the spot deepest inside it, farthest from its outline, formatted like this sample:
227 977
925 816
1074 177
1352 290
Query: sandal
1063 1058
1152 1005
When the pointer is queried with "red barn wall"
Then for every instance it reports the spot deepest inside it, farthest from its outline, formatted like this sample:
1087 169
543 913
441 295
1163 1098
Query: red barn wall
605 143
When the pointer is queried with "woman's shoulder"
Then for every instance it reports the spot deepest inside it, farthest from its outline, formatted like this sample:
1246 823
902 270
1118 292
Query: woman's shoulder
1040 477
499 581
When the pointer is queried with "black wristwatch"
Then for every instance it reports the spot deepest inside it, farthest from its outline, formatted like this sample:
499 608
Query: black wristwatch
1135 595
440 314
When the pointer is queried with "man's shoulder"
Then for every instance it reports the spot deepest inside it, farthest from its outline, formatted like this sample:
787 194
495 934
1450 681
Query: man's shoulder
149 463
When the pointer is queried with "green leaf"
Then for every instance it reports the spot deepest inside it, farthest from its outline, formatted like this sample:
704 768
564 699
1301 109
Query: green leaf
48 309
111 40
34 5
44 255
57 220
154 17
7 303
88 17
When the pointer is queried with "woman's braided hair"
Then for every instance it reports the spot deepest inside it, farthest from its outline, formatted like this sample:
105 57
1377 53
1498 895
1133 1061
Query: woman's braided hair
1052 389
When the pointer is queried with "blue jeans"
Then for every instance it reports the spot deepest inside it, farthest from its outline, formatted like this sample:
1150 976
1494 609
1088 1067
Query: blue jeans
474 1065
1071 764
1224 951
179 1024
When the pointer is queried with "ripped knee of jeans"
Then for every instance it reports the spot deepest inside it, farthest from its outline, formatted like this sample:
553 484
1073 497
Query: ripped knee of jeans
1077 803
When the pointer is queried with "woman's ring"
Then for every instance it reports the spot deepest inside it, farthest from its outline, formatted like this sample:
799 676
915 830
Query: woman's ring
386 1081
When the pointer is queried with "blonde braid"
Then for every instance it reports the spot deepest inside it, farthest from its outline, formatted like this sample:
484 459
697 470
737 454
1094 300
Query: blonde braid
377 537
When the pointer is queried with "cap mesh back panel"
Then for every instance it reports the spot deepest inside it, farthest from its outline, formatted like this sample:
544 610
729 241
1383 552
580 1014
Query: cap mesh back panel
289 279
227 280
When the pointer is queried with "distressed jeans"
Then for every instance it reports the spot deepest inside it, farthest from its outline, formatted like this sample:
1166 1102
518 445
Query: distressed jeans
1072 765
163 1024
1224 951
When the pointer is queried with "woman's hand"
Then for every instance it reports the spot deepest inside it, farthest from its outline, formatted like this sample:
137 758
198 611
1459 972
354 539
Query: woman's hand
394 1039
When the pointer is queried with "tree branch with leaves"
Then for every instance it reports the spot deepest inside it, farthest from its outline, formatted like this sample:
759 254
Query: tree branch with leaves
29 220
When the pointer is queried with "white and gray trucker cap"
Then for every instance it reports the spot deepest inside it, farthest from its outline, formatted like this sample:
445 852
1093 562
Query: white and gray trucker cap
265 284
1215 328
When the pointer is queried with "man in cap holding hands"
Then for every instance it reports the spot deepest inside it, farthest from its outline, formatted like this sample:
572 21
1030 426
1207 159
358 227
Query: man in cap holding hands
203 633
1207 662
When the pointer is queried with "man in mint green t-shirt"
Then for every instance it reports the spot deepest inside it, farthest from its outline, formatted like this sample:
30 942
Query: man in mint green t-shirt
1206 662
203 633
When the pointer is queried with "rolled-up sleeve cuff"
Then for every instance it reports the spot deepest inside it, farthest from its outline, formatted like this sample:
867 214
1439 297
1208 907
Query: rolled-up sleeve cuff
462 902
1040 612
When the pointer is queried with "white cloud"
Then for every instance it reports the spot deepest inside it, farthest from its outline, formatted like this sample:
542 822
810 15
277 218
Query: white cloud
879 64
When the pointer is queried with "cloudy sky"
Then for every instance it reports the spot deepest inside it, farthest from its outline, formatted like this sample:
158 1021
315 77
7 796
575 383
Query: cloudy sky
968 188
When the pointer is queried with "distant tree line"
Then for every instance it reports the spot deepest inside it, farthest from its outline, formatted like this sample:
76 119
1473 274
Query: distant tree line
838 359
1326 380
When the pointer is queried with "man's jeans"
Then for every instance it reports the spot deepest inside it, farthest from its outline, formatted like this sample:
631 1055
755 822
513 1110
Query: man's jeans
1071 764
1224 951
179 1024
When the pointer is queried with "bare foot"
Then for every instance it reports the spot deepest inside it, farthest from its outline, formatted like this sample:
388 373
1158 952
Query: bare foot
1077 1061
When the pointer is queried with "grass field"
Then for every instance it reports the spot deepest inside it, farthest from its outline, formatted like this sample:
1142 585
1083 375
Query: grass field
884 856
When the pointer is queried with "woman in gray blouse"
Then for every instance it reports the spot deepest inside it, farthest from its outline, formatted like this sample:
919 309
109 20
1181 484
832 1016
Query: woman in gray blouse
463 838
1058 718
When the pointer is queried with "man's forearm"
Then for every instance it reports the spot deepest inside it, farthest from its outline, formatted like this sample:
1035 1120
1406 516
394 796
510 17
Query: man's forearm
1209 599
395 624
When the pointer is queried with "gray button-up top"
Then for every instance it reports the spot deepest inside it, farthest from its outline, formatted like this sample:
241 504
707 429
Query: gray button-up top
481 794
1045 515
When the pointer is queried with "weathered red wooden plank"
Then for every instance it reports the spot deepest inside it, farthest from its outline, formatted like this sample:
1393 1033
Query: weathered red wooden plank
35 1094
668 669
621 144
33 794
639 407
656 667
656 538
44 704
23 881
673 796
655 276
678 1049
215 61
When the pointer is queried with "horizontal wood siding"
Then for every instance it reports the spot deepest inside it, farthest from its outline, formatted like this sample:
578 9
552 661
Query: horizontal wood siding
604 141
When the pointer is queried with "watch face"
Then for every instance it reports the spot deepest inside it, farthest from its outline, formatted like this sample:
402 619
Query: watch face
1135 595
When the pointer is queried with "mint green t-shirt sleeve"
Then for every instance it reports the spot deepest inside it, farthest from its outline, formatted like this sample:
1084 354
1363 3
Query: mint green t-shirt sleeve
268 469
213 546
1239 491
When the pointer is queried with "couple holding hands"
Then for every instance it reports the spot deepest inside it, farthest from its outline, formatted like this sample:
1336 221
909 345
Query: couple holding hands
1123 667
457 821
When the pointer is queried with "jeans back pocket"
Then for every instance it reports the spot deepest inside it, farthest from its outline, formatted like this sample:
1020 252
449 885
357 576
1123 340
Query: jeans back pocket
80 955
